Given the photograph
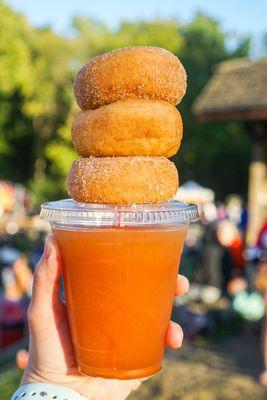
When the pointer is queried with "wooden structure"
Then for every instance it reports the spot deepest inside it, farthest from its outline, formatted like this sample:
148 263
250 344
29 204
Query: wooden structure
238 91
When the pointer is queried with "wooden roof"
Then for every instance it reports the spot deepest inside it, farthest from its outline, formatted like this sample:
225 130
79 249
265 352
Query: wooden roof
236 91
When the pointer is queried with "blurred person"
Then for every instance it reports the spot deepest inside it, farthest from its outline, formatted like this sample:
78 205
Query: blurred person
210 256
221 254
192 248
51 364
17 282
247 303
261 285
215 259
12 310
221 211
262 238
234 208
231 240
243 219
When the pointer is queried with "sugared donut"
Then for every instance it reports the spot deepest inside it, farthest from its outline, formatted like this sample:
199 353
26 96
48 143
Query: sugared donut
143 72
128 128
122 180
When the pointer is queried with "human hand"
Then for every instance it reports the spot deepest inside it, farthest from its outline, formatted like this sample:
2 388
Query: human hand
51 356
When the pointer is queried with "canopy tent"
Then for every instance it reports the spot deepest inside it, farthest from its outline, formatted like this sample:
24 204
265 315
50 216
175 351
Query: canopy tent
192 192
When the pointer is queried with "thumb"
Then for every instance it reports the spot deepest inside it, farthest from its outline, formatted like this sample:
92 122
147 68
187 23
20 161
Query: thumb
46 289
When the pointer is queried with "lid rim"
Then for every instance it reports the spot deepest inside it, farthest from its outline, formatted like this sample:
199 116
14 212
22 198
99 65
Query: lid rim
70 212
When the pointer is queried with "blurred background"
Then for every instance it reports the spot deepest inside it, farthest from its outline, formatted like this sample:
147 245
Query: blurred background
222 165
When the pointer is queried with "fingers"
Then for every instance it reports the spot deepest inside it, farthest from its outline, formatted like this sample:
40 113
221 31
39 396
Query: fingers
182 285
46 277
174 336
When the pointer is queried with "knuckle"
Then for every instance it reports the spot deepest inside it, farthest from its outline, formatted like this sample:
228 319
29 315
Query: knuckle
38 275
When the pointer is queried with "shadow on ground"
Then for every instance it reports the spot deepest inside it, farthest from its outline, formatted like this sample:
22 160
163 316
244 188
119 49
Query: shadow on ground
225 370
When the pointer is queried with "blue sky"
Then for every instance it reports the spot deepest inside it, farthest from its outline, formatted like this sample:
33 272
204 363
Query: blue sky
240 16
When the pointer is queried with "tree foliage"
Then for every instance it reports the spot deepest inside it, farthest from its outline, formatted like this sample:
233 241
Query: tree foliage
37 68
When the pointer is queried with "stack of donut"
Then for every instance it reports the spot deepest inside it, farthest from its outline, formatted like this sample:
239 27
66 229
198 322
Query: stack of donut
128 127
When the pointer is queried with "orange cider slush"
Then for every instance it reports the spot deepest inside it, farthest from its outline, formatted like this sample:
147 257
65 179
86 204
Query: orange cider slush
120 285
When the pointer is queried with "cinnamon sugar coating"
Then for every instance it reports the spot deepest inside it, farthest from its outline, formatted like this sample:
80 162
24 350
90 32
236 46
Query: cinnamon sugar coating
122 180
144 72
128 128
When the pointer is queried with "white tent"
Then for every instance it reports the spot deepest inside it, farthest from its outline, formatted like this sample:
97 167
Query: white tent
192 192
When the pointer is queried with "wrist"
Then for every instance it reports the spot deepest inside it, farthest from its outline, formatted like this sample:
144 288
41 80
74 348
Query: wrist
41 390
72 382
31 376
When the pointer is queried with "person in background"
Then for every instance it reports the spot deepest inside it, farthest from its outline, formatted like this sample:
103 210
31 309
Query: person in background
17 281
262 238
261 285
231 241
210 257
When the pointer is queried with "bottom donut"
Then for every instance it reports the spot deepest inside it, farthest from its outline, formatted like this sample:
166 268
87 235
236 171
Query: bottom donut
122 180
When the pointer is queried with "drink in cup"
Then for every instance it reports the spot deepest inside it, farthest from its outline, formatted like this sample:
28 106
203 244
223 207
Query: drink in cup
120 266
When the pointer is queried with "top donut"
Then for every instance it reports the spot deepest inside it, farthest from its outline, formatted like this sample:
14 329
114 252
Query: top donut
138 72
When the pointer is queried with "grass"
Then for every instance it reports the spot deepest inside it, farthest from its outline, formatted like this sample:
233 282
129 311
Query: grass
9 381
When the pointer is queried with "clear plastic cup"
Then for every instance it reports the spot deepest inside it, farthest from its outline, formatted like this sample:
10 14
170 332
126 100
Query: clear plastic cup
120 265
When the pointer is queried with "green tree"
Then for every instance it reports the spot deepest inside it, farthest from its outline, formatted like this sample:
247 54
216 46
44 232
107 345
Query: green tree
210 152
16 86
35 95
37 68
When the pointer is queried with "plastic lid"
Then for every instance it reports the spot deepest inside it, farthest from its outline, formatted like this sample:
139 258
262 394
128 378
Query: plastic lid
70 212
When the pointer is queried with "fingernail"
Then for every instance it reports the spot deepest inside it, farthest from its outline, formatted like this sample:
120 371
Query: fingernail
178 342
47 248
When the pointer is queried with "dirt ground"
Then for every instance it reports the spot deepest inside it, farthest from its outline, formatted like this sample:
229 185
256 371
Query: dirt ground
225 370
